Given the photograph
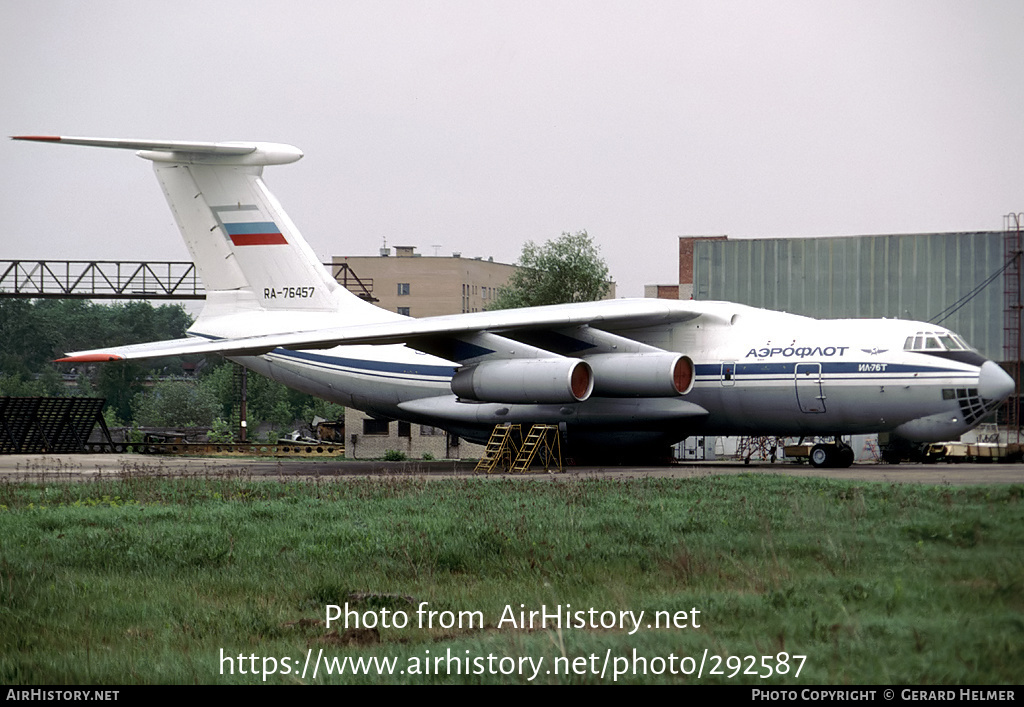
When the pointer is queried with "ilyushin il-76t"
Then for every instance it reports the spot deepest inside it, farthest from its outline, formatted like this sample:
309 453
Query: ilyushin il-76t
620 377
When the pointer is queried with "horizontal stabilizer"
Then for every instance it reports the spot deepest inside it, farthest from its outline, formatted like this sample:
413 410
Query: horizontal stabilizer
240 153
213 148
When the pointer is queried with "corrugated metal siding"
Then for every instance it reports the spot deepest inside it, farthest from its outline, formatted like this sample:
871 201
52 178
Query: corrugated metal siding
906 276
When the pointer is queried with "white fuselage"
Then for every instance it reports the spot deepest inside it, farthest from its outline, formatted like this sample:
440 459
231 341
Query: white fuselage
757 372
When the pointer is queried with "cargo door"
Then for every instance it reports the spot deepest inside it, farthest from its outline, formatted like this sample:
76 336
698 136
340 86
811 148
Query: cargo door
809 393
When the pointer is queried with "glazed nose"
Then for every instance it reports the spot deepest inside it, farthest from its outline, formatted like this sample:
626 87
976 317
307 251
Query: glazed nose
993 382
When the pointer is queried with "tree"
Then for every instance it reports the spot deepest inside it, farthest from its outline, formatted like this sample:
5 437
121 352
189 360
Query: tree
175 404
269 401
34 333
565 269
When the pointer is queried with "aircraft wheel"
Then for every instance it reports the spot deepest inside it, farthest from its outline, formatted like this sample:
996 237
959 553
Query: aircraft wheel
822 456
845 457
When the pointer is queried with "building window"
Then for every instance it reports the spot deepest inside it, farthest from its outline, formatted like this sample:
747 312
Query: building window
404 429
403 288
428 431
403 311
376 427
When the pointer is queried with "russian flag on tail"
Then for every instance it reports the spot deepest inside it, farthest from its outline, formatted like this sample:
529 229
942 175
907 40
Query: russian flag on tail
258 233
245 225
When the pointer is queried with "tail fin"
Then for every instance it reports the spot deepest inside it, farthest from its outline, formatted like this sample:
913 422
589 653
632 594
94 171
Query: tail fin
249 254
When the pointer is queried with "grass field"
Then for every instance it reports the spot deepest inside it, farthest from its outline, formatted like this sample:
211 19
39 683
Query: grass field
152 580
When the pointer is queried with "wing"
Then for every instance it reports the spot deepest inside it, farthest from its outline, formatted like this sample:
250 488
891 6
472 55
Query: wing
426 334
554 354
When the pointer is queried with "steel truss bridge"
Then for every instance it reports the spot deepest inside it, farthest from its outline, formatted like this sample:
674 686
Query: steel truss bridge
120 279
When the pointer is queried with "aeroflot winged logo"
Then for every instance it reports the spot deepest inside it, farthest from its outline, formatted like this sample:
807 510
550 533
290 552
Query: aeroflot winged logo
246 225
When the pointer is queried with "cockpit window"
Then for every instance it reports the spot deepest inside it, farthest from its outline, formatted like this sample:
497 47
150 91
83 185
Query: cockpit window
936 341
949 343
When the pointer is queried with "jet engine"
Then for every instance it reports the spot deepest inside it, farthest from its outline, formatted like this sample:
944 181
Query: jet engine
525 380
641 375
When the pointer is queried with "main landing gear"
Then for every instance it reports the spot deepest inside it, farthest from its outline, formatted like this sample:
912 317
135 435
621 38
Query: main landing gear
835 455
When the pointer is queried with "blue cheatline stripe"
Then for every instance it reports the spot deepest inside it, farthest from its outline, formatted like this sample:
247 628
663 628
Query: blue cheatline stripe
380 366
404 371
243 229
324 360
748 369
358 369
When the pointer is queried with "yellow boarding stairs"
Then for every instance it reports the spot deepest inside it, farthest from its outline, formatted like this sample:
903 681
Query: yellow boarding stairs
502 447
511 451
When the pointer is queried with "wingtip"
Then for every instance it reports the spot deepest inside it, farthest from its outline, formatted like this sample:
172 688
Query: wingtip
37 138
90 358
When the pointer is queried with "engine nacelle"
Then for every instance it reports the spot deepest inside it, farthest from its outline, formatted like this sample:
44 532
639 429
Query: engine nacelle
641 375
525 380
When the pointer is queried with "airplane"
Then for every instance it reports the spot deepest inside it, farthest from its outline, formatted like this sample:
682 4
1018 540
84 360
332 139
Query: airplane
622 378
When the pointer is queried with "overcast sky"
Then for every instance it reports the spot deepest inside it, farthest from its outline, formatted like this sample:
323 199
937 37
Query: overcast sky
476 126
